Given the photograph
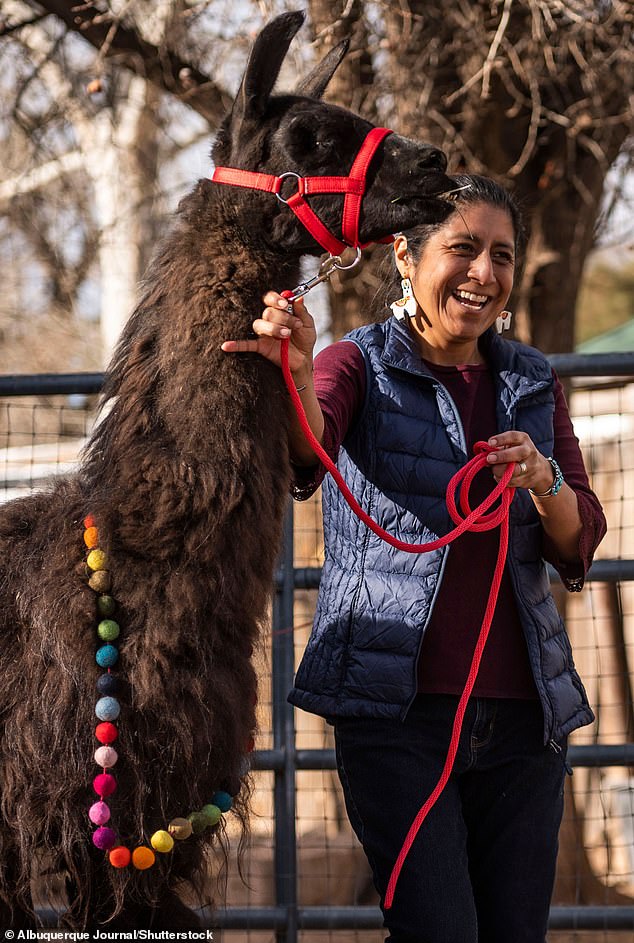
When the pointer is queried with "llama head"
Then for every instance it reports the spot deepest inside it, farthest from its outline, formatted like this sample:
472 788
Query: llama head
300 134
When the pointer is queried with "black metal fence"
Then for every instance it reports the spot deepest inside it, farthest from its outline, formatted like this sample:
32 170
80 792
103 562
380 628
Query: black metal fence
285 917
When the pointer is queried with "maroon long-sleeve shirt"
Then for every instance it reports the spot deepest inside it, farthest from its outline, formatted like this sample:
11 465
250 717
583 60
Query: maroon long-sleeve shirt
447 649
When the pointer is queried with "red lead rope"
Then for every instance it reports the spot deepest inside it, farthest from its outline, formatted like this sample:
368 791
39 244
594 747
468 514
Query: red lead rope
474 520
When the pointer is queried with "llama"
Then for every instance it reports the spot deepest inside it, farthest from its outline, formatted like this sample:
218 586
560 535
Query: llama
186 478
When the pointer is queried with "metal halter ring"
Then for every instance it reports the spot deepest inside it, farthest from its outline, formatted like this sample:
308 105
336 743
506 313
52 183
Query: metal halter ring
337 263
289 173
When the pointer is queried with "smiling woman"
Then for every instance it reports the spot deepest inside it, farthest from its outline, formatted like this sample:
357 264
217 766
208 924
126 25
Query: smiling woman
399 405
461 282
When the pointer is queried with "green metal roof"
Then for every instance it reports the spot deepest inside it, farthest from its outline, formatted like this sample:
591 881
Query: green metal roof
619 339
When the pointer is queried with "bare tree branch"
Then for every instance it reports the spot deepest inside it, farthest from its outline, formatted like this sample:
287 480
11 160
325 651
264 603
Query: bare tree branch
41 176
161 66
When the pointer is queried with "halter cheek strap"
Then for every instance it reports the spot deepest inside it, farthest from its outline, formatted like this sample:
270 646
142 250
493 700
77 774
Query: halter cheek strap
353 186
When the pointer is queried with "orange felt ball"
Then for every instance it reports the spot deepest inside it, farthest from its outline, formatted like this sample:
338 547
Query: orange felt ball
143 858
120 857
89 521
91 537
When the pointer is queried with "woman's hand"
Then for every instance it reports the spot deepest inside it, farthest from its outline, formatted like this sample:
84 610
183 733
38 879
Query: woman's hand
559 513
275 325
532 469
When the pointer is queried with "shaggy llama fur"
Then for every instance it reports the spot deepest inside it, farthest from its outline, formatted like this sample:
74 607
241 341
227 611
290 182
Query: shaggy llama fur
187 477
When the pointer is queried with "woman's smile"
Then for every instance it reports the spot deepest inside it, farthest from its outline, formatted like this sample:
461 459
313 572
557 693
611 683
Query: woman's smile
470 300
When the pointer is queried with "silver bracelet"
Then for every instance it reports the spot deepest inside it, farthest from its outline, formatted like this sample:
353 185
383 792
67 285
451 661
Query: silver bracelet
558 481
300 389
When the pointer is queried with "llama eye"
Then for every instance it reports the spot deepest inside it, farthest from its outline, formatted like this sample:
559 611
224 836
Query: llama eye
302 134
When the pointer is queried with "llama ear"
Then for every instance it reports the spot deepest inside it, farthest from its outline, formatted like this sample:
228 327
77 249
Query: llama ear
314 85
264 65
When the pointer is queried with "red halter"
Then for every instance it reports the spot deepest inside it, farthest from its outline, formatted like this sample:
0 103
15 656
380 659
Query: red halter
353 186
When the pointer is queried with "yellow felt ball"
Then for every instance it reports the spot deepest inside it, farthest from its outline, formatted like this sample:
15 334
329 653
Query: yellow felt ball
143 858
180 829
97 560
162 841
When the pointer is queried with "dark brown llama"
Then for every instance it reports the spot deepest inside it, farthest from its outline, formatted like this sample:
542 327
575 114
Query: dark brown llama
187 478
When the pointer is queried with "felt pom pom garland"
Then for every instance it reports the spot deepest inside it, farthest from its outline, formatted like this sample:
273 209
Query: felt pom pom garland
107 710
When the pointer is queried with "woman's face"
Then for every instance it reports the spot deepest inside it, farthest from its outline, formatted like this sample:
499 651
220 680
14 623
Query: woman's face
463 278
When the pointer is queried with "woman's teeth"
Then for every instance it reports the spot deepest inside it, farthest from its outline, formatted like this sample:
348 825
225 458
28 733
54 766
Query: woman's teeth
470 299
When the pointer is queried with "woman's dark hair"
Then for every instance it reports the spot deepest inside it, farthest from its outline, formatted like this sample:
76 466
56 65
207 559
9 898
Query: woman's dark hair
469 189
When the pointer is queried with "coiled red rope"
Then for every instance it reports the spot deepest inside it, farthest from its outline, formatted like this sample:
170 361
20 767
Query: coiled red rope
473 520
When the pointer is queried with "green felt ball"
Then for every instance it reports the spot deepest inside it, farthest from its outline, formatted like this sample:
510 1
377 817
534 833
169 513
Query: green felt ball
108 630
212 813
106 606
199 822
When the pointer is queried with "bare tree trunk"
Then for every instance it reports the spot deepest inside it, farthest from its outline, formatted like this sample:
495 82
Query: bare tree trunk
121 166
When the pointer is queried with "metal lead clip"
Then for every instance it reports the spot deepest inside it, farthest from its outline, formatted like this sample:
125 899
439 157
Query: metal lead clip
326 269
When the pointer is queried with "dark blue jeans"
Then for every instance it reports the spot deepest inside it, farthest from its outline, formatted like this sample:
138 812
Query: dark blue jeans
482 867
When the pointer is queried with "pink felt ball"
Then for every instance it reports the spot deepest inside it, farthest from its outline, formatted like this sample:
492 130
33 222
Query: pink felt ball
104 784
104 838
106 756
99 813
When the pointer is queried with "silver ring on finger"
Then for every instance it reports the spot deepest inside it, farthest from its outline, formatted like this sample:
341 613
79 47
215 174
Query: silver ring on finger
523 468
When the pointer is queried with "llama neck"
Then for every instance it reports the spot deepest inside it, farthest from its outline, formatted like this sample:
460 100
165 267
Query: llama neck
185 418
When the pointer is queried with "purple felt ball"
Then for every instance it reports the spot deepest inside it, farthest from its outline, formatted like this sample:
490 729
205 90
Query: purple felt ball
99 813
104 838
104 784
108 683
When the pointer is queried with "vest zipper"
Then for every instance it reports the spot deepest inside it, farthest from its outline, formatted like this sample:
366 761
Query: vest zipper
556 748
538 677
462 441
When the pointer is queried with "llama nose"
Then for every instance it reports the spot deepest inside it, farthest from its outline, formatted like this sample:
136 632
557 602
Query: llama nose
433 159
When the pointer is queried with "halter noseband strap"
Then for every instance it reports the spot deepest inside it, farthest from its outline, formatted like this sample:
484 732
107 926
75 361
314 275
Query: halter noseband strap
353 186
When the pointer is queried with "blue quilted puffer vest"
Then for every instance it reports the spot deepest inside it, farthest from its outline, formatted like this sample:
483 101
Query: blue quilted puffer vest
375 601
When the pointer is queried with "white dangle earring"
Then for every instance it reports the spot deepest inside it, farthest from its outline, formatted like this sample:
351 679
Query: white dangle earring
503 321
407 304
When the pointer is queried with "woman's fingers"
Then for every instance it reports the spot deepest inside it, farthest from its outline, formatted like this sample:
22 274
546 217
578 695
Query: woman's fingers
511 447
269 328
276 324
532 469
239 347
518 448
